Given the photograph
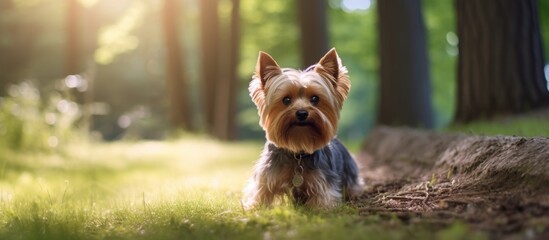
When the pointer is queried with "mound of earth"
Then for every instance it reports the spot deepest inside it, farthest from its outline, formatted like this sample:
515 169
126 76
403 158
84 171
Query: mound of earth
497 184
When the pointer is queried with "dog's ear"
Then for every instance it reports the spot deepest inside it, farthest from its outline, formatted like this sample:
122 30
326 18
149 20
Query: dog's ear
330 67
329 64
266 68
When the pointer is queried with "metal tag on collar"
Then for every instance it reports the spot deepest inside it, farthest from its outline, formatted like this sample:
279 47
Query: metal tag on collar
297 180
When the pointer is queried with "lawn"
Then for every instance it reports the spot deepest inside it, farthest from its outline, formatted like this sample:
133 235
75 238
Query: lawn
179 189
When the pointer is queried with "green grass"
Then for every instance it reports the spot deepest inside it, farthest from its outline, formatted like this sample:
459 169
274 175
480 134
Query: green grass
522 126
181 189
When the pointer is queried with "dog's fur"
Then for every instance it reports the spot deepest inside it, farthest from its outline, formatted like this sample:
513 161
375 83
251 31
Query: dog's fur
299 111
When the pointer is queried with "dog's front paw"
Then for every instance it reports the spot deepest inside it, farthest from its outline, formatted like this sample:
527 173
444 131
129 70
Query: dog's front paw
256 196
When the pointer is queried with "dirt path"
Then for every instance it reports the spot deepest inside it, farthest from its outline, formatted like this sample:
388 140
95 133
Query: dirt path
495 184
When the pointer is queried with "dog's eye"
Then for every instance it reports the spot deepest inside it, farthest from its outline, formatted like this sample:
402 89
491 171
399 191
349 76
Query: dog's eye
286 101
315 100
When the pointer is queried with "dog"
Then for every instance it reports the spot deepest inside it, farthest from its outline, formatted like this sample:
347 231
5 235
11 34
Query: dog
302 158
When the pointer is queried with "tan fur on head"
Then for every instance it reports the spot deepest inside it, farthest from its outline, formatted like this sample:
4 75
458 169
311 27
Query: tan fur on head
328 81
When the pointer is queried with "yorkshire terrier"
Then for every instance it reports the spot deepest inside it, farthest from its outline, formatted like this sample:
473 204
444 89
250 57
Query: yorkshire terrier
299 111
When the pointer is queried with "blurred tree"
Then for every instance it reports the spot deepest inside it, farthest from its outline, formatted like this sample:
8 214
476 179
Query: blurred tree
73 54
179 99
500 65
209 32
17 39
227 87
313 29
404 90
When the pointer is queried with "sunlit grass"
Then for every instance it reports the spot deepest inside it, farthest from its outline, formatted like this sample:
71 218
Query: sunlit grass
121 189
181 189
523 126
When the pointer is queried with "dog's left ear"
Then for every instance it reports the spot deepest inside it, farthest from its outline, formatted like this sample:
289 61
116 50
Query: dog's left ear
329 64
330 67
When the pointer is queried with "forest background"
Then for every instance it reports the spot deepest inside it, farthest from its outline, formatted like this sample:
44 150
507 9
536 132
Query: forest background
104 65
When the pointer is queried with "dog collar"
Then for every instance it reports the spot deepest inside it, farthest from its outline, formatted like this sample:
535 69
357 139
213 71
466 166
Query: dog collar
299 168
302 155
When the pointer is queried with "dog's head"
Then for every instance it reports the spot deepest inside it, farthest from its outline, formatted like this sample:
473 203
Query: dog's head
299 110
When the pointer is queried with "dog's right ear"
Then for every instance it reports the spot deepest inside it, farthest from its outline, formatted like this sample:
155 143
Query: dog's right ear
266 68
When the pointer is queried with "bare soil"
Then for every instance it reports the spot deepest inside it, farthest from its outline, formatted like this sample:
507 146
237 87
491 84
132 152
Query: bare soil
498 184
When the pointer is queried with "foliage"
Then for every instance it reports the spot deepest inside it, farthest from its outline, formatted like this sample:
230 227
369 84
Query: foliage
442 44
33 122
353 33
128 36
116 39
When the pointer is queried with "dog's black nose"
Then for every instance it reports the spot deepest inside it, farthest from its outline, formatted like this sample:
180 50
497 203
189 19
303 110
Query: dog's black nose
301 115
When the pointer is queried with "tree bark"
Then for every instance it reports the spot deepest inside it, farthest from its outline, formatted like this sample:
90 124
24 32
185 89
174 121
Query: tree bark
313 29
179 99
209 29
500 63
404 89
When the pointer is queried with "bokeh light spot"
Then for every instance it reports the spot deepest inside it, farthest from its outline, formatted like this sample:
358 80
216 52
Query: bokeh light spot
124 121
452 38
53 141
356 5
72 81
50 118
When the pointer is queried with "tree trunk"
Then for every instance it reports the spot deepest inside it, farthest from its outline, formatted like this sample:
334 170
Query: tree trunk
12 58
500 63
405 90
74 51
227 87
210 66
73 56
313 28
233 73
179 100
